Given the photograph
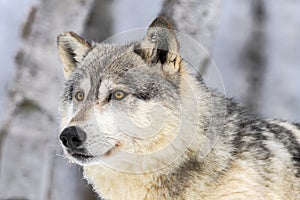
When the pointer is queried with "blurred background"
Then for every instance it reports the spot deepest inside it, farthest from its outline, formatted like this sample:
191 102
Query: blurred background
255 45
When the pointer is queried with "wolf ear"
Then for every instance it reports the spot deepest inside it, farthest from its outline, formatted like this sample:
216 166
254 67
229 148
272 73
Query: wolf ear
160 45
72 49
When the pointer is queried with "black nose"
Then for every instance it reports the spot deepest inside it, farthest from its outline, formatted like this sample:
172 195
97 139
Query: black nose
72 137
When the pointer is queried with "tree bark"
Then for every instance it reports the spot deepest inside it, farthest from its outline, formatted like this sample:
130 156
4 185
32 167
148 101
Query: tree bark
253 58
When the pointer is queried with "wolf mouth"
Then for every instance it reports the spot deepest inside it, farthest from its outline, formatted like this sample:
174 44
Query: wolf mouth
81 156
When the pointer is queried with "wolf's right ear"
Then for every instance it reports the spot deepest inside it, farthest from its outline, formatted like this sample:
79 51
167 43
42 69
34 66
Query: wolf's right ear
72 49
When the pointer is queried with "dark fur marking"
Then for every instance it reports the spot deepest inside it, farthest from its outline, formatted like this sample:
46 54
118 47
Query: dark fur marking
148 93
68 92
288 139
249 137
162 50
161 54
184 173
297 125
109 97
139 51
97 89
71 89
71 54
231 106
143 96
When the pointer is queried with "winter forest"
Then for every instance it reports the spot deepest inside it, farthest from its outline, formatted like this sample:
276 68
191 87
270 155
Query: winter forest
254 44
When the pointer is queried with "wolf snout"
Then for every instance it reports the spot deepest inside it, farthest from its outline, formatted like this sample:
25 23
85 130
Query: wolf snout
72 137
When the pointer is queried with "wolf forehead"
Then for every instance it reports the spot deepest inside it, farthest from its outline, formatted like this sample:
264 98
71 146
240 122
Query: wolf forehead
109 60
121 65
146 68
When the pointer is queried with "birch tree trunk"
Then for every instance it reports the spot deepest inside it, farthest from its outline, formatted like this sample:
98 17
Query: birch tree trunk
257 52
30 167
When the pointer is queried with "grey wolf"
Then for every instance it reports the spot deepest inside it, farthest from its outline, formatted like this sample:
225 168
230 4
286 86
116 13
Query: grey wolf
142 127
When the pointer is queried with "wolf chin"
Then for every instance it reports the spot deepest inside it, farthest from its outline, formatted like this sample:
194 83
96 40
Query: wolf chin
143 127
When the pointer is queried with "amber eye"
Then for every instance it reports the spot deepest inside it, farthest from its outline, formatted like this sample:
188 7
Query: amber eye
79 96
119 95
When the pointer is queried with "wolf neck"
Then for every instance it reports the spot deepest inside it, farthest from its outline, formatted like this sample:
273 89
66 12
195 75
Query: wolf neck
171 181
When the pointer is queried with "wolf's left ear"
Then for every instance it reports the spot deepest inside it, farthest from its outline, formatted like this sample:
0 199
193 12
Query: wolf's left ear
160 45
72 49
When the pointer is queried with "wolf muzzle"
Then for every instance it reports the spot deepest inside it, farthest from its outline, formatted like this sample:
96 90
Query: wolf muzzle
72 138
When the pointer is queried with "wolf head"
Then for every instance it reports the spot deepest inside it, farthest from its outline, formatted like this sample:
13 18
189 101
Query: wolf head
126 104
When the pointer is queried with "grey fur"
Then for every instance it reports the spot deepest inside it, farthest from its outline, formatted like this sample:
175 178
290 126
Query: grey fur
148 74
